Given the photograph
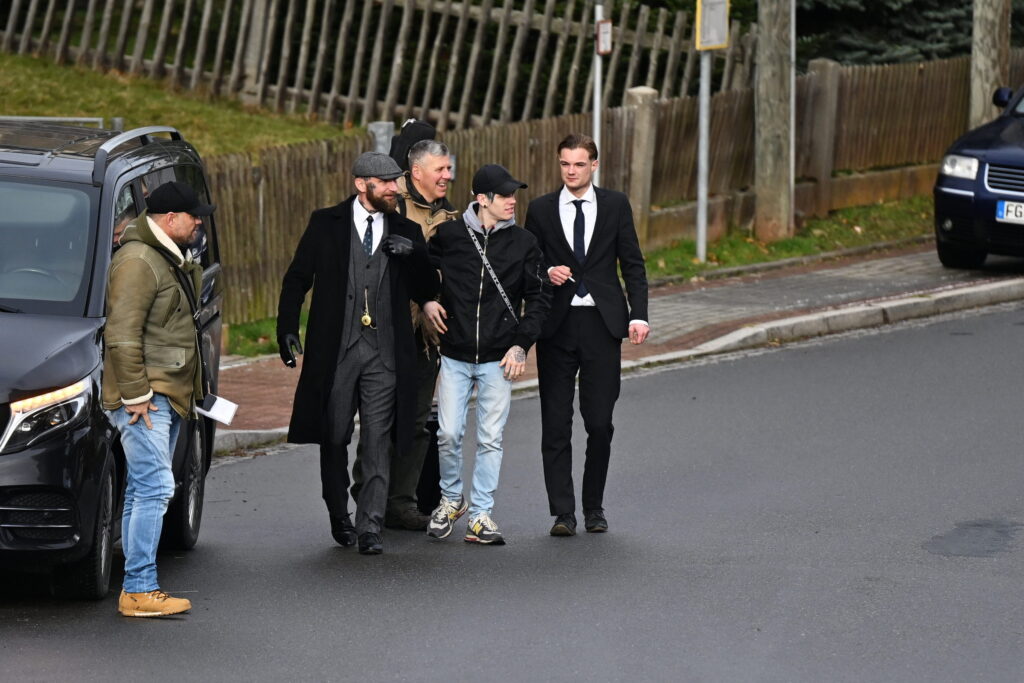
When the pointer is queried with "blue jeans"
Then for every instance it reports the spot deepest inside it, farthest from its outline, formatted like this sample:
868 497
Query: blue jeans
150 486
493 395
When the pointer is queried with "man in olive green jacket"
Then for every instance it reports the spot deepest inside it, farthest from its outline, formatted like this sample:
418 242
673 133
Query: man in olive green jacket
152 375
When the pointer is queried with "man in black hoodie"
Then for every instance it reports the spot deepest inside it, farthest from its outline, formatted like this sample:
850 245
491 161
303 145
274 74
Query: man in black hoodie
494 299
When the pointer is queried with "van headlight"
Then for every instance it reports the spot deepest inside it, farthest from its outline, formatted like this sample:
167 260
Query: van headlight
958 166
35 417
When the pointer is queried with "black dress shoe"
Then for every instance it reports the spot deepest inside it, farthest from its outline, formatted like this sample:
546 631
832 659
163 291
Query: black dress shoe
565 525
369 544
594 521
343 531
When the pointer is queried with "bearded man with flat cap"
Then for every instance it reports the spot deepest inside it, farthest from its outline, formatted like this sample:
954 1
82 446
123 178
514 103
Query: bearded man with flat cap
364 263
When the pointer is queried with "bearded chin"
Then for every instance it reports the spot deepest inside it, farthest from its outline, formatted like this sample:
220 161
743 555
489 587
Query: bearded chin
382 204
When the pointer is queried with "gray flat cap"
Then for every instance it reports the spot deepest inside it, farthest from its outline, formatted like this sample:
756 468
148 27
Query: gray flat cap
376 165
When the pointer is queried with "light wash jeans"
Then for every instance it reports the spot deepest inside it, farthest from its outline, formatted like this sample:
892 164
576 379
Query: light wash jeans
493 395
149 488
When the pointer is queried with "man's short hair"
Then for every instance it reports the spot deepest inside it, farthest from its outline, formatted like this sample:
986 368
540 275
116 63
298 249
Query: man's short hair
426 148
579 141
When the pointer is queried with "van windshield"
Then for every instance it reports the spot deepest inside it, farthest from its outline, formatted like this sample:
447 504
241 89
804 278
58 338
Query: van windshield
44 247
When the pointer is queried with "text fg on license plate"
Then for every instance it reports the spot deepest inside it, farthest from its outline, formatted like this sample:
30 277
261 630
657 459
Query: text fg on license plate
1010 212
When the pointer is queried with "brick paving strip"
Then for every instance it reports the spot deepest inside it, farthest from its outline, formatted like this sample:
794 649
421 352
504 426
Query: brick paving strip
701 317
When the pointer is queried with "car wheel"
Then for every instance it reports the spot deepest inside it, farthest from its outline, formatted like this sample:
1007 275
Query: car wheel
185 514
89 578
952 256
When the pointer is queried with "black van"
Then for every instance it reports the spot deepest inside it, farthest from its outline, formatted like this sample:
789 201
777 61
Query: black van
65 193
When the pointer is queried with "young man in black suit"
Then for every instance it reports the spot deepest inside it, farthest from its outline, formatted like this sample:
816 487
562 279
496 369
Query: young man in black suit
585 233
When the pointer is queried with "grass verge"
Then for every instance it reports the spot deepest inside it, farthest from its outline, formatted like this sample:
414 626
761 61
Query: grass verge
39 87
843 229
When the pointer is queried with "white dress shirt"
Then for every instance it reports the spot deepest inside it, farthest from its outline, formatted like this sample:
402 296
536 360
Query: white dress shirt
567 213
359 214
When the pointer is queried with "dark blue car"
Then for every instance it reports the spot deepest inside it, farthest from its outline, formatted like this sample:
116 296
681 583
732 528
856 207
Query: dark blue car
979 193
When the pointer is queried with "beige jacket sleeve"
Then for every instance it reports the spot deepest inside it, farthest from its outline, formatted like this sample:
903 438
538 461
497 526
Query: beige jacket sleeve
132 290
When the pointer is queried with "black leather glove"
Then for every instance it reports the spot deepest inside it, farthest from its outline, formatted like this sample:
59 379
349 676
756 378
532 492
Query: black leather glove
396 245
287 345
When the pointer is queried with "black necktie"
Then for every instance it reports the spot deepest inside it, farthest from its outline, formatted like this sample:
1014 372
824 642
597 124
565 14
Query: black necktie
368 236
579 249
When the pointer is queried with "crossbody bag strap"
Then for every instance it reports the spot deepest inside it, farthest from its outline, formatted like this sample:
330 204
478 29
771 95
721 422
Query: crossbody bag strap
494 278
185 282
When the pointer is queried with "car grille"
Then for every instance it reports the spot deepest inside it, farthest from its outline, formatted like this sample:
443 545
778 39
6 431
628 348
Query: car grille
1006 178
37 516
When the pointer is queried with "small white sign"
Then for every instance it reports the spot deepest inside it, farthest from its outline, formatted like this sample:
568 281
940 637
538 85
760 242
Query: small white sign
712 24
603 37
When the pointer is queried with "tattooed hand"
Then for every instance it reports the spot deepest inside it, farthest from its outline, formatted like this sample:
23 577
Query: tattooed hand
514 362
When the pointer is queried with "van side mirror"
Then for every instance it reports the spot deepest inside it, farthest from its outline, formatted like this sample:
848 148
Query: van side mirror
1001 97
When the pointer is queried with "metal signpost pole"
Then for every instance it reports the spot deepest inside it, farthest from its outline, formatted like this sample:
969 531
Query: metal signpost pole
712 33
598 17
703 132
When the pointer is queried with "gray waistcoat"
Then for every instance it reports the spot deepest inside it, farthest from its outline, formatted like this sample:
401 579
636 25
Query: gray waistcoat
367 279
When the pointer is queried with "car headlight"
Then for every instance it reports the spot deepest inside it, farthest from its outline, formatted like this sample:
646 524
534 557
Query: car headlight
958 166
33 418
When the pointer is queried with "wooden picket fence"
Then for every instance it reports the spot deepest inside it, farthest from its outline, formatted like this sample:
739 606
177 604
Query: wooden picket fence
458 64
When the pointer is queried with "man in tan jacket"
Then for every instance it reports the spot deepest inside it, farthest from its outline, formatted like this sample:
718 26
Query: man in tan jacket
152 375
423 199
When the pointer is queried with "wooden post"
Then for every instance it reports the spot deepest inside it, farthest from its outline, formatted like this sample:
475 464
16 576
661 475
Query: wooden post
65 33
613 66
577 56
512 75
474 59
645 140
26 31
122 42
636 49
668 83
454 67
99 55
823 136
222 40
156 68
398 60
254 44
267 52
83 45
179 50
439 39
238 61
141 36
499 50
286 56
370 101
538 59
773 117
357 68
304 46
339 55
204 37
12 20
990 57
417 60
556 64
655 56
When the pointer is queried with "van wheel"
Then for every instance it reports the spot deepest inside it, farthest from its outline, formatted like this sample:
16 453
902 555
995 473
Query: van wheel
960 257
185 514
89 578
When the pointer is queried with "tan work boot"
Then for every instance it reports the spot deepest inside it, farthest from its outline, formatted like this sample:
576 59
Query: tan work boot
152 604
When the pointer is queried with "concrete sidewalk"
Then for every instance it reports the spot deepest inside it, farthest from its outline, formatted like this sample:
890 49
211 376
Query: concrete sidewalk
704 317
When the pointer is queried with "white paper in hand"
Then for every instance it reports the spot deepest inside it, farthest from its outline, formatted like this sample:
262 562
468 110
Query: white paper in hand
217 408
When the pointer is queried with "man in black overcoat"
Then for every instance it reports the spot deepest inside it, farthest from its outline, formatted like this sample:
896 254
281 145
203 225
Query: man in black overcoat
586 234
365 263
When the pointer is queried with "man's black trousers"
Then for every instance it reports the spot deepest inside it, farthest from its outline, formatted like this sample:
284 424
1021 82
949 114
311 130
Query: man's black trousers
584 344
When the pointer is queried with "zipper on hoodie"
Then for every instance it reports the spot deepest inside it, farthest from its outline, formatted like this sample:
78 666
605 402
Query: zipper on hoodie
480 299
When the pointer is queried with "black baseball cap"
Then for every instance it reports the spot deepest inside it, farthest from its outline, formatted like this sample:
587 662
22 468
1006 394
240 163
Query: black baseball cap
177 197
495 178
413 131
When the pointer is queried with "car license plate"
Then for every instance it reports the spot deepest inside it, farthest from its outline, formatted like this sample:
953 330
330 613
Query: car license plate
1010 212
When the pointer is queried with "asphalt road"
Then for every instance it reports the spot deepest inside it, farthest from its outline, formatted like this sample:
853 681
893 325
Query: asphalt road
843 510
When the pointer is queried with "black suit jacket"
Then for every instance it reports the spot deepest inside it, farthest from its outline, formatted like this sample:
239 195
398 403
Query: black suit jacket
321 262
614 243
